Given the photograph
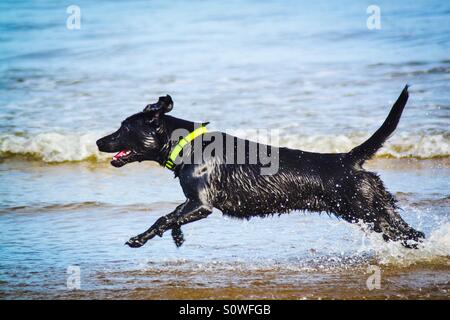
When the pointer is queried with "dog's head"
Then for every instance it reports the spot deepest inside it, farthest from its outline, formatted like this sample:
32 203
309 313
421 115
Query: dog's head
140 137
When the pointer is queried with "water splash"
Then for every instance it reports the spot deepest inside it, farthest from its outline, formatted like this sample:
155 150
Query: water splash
435 249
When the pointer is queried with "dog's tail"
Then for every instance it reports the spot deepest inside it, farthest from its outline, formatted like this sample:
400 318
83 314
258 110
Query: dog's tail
368 148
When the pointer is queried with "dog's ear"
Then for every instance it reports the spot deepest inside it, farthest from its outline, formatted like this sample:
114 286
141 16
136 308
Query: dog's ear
164 105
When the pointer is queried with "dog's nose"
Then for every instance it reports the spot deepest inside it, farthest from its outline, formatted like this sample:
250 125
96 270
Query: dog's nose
99 144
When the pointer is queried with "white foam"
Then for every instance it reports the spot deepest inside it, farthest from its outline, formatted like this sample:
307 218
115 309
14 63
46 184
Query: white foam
401 146
53 147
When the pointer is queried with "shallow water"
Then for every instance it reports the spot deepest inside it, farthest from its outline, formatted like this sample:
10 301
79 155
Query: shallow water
311 70
82 214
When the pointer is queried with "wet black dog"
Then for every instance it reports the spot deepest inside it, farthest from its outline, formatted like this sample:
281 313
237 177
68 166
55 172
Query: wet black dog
332 183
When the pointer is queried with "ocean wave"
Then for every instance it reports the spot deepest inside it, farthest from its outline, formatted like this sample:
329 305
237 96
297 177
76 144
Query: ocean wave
57 147
52 147
399 146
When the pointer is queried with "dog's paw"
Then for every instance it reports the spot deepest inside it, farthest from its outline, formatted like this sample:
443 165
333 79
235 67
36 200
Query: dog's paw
135 242
177 236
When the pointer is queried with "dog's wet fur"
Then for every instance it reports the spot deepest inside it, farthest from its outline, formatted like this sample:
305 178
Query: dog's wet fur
317 182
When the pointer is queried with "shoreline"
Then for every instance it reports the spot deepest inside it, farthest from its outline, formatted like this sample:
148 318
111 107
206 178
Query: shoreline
417 282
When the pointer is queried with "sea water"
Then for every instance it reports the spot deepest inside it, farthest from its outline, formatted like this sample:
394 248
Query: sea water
313 71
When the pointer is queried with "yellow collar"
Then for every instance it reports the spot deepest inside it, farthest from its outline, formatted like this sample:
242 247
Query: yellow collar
170 163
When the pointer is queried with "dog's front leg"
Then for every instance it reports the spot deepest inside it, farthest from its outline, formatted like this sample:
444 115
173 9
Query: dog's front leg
187 212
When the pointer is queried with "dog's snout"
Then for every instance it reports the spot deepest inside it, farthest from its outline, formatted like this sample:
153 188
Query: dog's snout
109 143
99 144
103 145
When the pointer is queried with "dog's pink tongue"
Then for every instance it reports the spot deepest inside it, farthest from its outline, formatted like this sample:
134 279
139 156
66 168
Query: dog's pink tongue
120 154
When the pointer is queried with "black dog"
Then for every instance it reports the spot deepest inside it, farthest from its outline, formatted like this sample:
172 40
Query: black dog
333 183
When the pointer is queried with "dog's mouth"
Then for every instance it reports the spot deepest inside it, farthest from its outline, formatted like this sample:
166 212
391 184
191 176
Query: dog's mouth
123 157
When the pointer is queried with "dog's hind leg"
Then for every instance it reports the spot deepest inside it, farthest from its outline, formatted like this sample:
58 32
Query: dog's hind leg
394 228
388 221
371 203
382 220
187 212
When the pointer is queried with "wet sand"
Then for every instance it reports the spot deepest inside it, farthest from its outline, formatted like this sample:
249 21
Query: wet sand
422 281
